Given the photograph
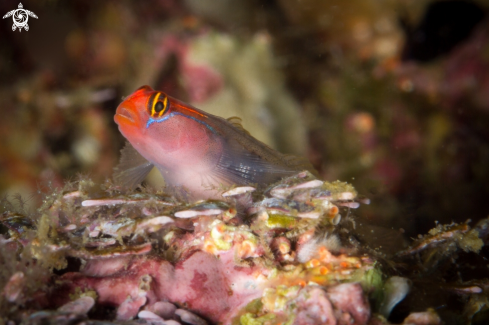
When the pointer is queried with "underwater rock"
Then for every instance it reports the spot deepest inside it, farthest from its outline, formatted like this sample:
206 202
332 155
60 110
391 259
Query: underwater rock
151 256
284 254
395 289
428 317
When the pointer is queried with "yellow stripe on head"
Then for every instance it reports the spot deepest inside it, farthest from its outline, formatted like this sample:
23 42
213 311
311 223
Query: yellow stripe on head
158 104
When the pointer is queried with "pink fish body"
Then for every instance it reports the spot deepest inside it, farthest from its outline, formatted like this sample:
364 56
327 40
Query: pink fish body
192 149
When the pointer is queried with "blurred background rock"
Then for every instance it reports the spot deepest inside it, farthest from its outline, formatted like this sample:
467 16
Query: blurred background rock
391 95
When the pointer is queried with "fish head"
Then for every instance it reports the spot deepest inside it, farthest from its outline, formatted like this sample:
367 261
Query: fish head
164 130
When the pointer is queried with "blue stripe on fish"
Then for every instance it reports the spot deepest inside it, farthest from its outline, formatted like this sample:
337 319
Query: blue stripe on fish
152 120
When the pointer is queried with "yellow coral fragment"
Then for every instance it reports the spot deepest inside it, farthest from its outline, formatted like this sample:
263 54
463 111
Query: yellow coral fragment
281 221
250 319
222 235
276 299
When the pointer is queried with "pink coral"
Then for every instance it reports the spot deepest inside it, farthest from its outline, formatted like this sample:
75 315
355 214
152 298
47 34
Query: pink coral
210 286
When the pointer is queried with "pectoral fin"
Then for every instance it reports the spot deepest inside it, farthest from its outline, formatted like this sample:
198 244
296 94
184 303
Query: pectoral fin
132 168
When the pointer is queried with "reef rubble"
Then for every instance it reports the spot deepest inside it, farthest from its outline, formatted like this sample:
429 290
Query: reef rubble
99 254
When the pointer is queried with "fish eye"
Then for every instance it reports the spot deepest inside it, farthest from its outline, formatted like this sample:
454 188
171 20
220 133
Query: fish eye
158 107
158 104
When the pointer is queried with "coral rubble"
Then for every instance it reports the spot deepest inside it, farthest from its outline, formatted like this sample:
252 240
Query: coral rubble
146 255
259 257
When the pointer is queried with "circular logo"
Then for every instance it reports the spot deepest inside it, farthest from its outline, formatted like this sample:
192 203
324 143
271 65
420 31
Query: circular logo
20 17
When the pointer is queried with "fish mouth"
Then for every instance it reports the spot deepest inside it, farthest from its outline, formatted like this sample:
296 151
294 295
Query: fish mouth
125 115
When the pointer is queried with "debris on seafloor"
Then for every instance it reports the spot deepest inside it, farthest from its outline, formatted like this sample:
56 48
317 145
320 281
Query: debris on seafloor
147 258
453 235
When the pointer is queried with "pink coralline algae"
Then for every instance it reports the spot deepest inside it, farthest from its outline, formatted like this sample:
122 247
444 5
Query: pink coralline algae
145 257
201 283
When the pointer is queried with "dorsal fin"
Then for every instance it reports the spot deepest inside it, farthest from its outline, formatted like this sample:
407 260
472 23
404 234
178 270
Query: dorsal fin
299 163
132 168
236 122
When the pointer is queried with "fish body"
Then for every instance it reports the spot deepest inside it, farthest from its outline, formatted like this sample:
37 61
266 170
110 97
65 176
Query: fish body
200 152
